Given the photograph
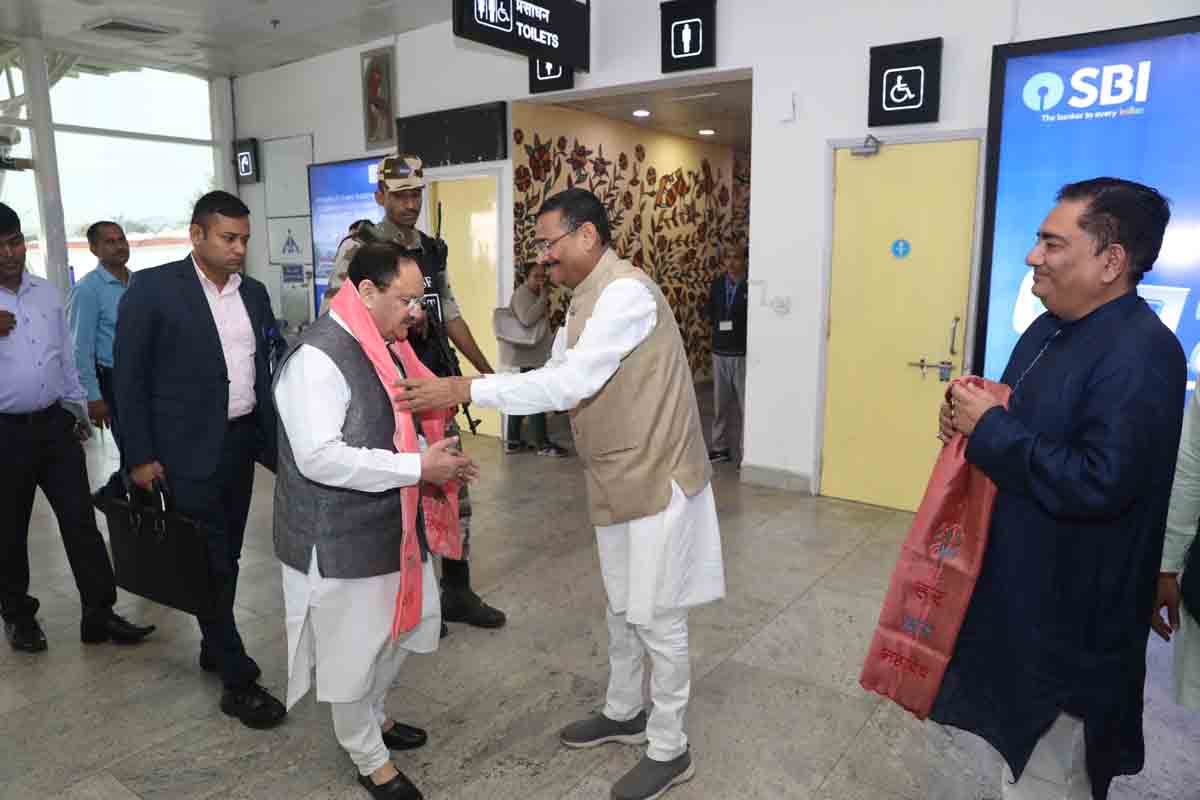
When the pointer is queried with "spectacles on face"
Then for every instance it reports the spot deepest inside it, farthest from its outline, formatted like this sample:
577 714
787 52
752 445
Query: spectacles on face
412 304
542 246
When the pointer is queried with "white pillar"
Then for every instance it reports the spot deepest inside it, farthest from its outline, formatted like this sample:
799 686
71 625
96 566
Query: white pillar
45 160
220 102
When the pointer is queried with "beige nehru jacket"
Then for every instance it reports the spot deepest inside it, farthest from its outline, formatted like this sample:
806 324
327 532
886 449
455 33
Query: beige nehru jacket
642 430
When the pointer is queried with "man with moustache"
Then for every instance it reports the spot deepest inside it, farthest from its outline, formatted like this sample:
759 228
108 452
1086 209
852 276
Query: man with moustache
1050 663
620 369
192 381
42 422
338 510
400 192
92 312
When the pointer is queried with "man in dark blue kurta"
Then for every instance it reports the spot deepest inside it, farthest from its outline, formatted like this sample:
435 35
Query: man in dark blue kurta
1050 663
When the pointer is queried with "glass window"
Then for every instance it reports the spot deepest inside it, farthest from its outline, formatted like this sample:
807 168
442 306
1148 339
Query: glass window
147 187
18 190
135 100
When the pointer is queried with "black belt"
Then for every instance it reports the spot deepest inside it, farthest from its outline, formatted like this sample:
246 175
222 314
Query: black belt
33 417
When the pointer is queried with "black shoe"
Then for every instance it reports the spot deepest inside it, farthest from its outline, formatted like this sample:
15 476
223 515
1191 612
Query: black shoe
460 604
106 625
553 451
398 788
445 631
717 456
254 706
25 634
404 737
208 663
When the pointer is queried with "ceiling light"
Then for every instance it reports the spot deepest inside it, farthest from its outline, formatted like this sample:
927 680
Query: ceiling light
641 112
707 132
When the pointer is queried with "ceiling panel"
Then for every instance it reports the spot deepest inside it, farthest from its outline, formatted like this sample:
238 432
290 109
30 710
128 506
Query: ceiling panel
220 37
723 107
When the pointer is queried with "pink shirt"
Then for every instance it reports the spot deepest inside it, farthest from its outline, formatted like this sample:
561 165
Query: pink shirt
237 340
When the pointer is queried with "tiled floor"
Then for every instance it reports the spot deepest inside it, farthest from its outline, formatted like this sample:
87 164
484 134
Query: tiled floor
776 711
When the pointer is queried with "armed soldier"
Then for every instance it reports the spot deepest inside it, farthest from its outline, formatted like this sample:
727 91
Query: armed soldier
400 192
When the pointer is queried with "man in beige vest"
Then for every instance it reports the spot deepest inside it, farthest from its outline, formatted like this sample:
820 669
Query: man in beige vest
620 368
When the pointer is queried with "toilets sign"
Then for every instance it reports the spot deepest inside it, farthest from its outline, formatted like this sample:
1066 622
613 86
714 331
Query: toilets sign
905 83
689 34
557 31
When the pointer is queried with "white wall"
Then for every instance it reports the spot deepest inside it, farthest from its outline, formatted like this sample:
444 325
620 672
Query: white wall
818 52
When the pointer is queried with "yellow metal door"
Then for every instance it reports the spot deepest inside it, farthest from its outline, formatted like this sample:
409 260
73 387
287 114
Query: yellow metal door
470 228
903 228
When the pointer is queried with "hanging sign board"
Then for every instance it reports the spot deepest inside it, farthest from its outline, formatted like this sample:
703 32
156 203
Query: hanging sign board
558 31
546 76
906 83
688 34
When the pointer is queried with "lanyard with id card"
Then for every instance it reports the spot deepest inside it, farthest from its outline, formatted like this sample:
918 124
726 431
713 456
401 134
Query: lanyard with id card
726 325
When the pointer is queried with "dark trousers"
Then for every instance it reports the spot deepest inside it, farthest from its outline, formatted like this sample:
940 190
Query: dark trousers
537 425
221 505
456 573
41 451
104 376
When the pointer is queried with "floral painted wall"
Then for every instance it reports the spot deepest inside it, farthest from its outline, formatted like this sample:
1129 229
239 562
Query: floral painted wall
670 201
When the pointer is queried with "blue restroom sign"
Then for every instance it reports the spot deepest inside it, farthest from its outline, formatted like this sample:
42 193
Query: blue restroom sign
901 248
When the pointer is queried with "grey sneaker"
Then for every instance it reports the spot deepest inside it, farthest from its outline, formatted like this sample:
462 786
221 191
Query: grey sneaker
599 729
650 779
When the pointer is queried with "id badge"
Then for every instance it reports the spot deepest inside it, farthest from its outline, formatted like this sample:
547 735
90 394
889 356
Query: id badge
725 325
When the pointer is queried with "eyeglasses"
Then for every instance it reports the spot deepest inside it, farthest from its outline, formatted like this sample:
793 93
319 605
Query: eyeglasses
542 246
414 304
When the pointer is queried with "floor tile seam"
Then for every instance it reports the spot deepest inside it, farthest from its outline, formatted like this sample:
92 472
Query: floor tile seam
133 754
874 699
820 576
854 740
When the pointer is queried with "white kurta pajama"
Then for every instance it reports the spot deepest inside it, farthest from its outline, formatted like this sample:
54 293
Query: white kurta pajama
1182 516
654 567
341 629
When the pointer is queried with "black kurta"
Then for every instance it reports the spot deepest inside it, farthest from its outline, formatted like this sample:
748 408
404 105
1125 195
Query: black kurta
1083 459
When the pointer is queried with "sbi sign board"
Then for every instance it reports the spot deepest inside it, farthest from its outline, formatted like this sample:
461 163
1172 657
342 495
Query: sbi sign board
1126 109
1111 85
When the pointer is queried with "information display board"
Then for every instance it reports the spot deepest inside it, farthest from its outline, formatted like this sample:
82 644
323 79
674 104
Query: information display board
340 193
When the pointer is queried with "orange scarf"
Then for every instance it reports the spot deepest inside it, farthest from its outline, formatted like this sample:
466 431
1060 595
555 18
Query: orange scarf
439 504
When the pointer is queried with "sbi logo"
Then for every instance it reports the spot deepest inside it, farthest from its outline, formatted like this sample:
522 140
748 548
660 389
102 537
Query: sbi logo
1108 86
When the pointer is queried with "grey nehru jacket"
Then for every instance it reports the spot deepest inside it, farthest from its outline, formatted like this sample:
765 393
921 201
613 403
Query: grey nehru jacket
357 534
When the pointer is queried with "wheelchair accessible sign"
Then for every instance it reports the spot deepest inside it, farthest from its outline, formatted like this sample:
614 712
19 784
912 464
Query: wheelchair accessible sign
905 83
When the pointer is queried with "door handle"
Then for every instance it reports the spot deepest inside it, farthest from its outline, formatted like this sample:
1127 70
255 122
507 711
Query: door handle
953 335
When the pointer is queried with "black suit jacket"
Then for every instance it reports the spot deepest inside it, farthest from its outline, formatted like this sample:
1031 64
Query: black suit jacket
169 374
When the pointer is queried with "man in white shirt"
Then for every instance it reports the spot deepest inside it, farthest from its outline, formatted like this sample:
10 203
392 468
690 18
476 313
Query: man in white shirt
338 511
620 369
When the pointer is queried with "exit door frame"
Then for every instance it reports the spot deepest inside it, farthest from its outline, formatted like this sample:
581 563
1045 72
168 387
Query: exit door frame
502 173
831 148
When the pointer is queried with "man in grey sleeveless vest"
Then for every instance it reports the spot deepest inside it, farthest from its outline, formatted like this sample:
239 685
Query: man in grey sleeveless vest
619 368
338 520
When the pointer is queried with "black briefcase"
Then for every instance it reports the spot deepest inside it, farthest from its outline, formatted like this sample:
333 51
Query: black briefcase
159 553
